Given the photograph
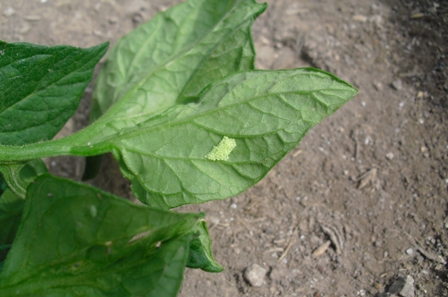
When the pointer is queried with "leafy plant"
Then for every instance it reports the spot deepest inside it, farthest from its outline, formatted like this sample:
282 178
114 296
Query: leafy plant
181 108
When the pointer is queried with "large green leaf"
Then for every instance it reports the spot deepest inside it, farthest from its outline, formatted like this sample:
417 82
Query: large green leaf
179 156
41 87
174 56
75 240
264 113
207 46
234 131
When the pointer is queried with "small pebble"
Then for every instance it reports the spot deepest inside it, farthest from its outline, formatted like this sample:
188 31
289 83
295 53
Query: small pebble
410 251
408 289
360 18
264 40
25 28
9 12
137 18
402 287
378 86
254 275
97 33
389 156
396 286
113 20
233 206
376 19
397 84
32 18
420 94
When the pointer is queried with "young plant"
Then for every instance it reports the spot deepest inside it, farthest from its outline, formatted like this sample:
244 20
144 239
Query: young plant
181 108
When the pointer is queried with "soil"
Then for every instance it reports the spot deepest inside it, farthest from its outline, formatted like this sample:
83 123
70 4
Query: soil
371 180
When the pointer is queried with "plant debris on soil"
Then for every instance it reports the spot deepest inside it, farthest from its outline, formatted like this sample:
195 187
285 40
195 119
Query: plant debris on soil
360 207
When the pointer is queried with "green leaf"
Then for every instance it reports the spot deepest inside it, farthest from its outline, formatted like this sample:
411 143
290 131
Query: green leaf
4 249
201 255
173 56
234 131
11 207
169 158
31 170
41 86
75 240
236 53
266 113
11 203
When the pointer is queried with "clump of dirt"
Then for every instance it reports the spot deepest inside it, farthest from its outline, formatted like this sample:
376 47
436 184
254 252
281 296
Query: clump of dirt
359 207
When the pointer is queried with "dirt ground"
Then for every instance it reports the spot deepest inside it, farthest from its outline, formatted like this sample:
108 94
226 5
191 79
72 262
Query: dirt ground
371 180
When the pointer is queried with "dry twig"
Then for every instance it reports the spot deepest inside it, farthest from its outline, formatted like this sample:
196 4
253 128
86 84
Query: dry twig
291 240
321 249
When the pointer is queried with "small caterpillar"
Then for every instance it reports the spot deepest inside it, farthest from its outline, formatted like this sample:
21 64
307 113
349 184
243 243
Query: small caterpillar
222 151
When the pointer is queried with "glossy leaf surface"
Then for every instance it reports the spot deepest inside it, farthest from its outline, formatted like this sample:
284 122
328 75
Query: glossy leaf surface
75 240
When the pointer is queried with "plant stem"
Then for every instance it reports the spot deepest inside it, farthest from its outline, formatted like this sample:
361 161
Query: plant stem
74 145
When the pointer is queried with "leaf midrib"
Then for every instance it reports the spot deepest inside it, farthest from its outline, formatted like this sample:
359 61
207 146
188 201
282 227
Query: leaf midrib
175 122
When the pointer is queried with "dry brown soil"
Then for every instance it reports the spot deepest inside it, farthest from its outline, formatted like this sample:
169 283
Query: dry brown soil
372 179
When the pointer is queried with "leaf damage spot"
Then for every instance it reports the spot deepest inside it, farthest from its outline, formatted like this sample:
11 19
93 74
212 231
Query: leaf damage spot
140 235
93 211
76 265
222 151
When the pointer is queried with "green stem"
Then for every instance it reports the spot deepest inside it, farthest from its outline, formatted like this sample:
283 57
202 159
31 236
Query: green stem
75 145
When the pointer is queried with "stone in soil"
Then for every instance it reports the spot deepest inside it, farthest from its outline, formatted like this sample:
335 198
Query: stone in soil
403 287
254 275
